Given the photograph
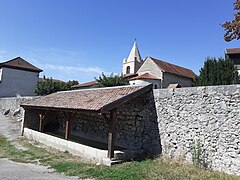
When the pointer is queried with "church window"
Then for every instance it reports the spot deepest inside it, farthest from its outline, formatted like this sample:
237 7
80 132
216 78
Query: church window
155 86
128 70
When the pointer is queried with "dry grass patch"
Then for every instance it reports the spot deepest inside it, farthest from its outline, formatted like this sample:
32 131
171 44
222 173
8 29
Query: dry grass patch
160 168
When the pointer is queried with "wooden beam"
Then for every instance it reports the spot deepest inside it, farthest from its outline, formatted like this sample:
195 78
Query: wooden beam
68 125
112 132
42 116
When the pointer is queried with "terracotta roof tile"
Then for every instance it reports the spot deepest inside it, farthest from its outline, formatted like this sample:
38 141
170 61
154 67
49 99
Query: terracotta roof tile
89 99
19 63
233 51
174 69
87 84
145 76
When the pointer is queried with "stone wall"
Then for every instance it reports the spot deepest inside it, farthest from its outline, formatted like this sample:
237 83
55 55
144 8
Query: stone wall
169 78
204 121
13 103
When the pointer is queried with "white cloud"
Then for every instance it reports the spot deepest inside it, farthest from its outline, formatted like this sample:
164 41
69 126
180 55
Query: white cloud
73 69
62 72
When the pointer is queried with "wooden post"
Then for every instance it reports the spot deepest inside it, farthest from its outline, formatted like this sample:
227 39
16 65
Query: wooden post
68 125
112 132
42 116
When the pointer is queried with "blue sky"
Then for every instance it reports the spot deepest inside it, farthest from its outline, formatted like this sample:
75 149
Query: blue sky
79 39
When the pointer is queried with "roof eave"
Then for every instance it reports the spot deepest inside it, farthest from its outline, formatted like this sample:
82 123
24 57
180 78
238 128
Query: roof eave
57 109
20 68
125 98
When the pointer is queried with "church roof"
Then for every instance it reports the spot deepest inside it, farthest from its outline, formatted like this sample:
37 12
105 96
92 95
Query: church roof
21 64
95 99
233 51
174 69
134 54
145 76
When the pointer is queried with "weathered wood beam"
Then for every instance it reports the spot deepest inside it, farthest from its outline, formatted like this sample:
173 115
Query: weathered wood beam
112 132
42 116
68 125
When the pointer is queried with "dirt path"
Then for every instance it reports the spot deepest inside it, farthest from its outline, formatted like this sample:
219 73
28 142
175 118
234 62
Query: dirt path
10 128
23 171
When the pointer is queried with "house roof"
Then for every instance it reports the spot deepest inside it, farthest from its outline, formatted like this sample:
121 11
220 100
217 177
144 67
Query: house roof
87 84
174 69
232 51
95 99
145 76
21 64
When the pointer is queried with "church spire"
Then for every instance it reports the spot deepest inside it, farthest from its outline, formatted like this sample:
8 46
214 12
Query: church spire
134 54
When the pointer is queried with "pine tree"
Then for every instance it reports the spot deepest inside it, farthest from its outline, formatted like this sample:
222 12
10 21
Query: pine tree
216 72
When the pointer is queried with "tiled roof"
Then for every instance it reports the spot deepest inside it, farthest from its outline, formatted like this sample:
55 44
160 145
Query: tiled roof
87 84
19 63
174 69
233 51
145 76
97 99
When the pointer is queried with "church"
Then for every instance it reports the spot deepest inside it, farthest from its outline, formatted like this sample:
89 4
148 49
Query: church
151 70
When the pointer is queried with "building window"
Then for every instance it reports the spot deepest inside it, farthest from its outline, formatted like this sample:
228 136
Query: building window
155 86
128 70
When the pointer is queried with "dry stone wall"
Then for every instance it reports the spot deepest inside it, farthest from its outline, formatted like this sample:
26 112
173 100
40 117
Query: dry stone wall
202 125
12 104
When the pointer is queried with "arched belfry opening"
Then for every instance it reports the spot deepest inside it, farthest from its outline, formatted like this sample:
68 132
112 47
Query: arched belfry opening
128 70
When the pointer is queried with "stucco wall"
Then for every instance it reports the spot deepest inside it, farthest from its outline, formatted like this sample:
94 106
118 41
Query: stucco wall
149 66
173 79
147 81
17 81
201 118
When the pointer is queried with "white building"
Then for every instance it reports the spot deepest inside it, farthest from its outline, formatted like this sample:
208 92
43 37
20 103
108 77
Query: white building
160 73
17 76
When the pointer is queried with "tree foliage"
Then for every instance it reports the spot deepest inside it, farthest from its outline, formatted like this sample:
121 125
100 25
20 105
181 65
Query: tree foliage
216 72
233 28
112 80
48 86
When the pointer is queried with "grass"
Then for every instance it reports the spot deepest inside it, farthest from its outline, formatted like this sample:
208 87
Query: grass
160 168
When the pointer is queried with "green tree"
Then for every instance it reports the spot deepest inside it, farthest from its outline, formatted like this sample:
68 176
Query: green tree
216 72
233 28
71 83
48 86
112 80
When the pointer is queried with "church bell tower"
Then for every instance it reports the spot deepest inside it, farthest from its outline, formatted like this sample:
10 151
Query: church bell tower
133 62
